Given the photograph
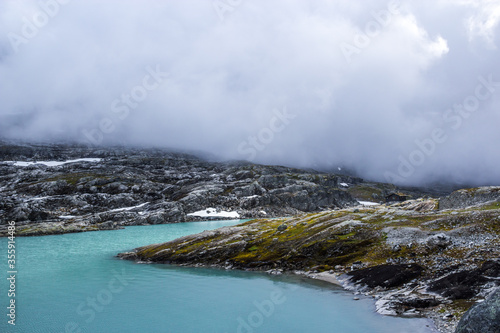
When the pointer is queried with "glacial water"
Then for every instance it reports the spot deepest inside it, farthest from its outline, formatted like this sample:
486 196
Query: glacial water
73 283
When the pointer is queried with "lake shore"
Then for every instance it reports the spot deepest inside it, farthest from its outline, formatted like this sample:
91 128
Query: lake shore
436 321
421 258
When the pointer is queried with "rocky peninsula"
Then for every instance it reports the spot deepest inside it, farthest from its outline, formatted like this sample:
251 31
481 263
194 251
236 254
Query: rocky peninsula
424 257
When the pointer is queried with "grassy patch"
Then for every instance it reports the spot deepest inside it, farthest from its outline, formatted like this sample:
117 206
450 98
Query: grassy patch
491 206
365 192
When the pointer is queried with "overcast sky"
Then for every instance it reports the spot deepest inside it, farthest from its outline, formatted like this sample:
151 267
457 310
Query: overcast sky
401 91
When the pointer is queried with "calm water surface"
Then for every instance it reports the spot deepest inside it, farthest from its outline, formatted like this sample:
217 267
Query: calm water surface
73 283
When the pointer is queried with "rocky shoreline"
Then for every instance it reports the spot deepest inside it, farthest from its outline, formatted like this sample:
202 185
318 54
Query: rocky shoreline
413 258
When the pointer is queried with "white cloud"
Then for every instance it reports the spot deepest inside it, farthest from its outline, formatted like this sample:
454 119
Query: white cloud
485 21
227 77
482 20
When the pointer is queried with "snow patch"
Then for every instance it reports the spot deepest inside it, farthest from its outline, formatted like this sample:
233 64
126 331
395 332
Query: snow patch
53 163
368 203
127 208
344 184
36 199
212 212
67 217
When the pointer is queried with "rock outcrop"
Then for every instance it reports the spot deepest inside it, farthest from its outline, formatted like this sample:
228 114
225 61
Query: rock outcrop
385 276
469 197
483 317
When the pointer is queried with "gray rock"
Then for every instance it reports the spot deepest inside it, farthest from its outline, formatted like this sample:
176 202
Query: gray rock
440 240
282 227
483 317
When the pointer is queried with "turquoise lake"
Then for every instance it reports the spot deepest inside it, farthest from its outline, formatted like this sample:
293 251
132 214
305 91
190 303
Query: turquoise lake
74 283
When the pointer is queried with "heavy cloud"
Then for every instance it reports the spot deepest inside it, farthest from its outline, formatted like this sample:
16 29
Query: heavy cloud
397 91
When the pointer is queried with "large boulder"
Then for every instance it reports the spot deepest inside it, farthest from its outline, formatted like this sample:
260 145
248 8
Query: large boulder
483 317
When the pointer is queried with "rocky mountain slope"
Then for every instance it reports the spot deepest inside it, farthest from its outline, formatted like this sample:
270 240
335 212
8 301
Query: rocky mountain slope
434 256
50 189
416 257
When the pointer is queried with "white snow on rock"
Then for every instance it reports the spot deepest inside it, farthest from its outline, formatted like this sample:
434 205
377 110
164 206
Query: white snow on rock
67 217
212 212
368 203
127 208
344 184
36 199
54 163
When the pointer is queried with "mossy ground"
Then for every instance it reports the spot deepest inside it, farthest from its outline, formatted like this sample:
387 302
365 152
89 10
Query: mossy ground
367 192
330 237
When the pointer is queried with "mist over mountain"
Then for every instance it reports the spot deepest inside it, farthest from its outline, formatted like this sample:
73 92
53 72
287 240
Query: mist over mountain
396 91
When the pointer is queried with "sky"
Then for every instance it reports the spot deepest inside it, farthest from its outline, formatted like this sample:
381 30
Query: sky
398 91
